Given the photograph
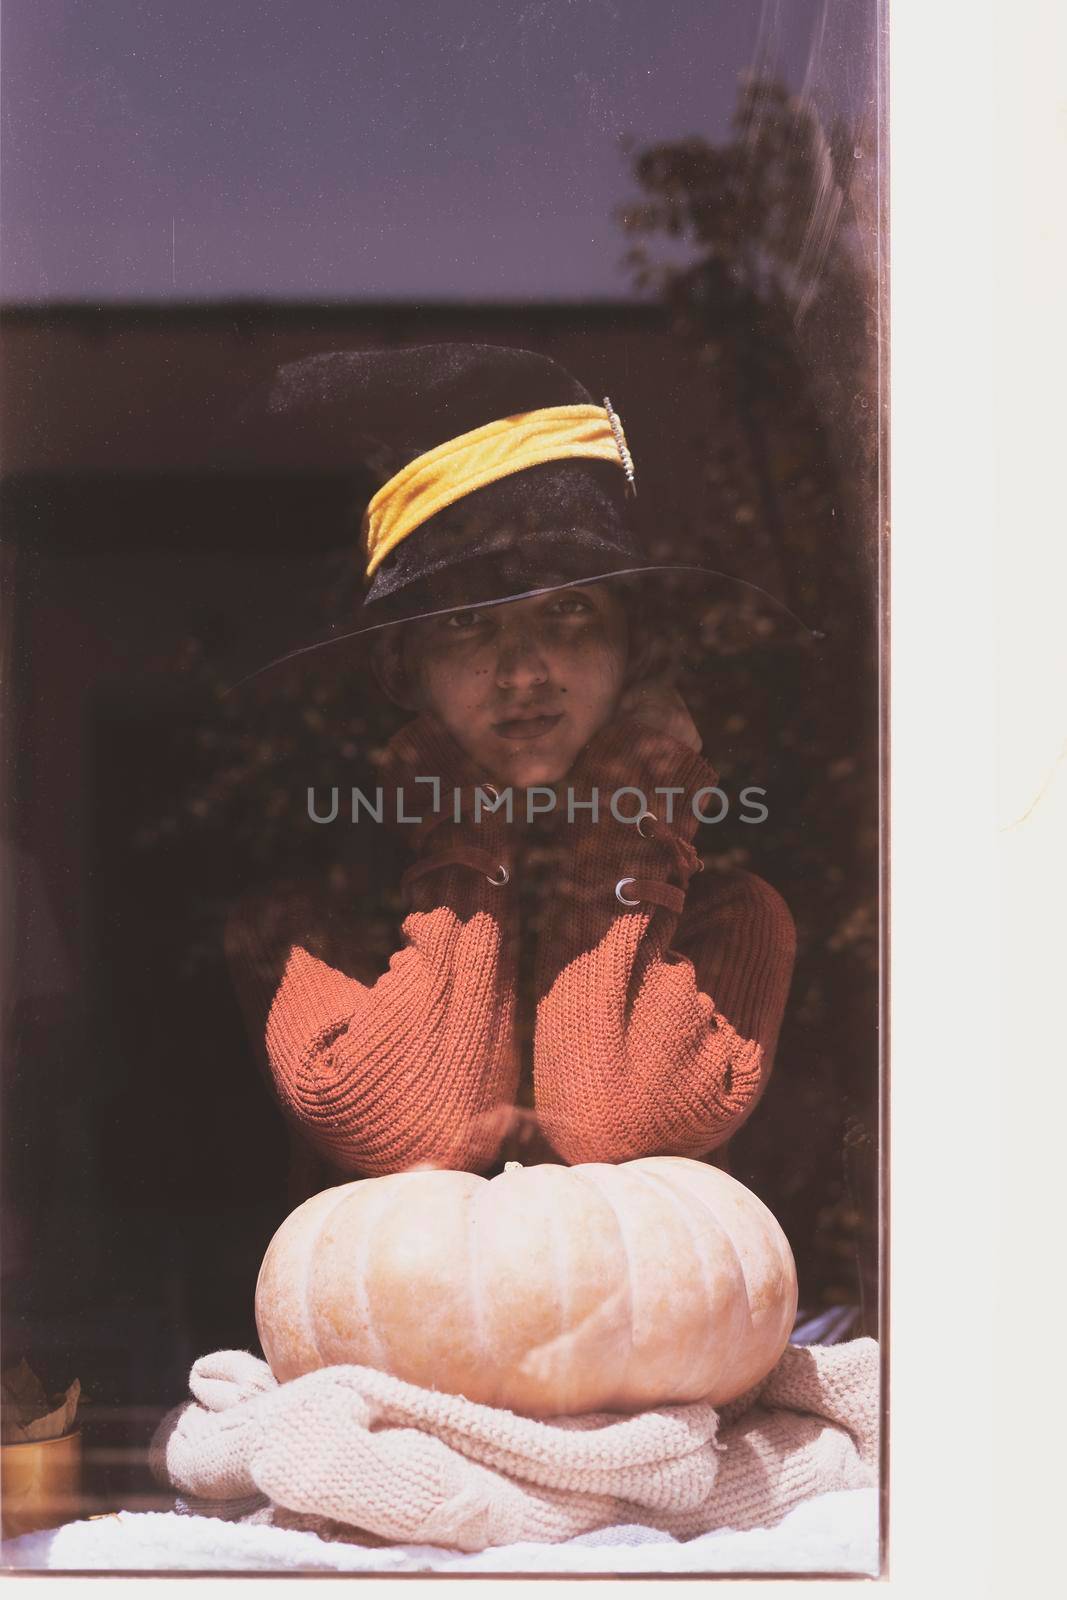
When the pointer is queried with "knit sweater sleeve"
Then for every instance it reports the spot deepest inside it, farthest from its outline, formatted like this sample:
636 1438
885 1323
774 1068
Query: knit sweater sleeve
655 1030
414 1065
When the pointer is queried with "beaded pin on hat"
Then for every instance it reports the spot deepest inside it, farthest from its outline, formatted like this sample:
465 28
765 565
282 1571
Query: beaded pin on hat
620 439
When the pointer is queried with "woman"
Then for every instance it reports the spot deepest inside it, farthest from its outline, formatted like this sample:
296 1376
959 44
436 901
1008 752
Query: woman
568 983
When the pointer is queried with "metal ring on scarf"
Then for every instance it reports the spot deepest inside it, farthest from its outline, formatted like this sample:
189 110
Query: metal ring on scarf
620 897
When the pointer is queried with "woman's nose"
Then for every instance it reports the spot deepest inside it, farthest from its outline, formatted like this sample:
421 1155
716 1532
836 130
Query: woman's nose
520 662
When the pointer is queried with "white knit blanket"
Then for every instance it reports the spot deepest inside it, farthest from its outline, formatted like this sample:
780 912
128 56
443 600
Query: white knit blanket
377 1471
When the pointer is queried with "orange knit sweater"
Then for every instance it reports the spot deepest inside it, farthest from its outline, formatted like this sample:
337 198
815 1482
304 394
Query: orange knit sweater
623 1031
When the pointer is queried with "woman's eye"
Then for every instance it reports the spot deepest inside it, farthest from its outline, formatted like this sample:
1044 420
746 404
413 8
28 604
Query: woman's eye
463 621
571 605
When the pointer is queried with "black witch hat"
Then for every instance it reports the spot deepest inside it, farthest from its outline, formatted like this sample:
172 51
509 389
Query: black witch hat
500 477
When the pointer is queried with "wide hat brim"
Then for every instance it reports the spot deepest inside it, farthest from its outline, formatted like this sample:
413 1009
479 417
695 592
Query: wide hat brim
556 565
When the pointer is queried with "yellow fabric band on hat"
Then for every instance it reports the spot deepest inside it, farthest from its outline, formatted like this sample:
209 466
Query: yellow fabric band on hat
471 460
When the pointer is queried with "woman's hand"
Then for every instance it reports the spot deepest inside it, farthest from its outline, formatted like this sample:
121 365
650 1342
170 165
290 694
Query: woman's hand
656 702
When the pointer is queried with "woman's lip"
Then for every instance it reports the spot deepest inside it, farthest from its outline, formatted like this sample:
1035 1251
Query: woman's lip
523 728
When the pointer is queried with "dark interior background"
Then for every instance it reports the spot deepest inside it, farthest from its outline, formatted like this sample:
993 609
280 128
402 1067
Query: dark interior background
144 1163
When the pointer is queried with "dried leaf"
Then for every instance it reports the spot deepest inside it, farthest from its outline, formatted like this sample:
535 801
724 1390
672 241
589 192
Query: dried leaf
60 1420
23 1390
27 1414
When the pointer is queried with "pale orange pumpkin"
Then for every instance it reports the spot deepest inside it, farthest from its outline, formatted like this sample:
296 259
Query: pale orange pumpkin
546 1290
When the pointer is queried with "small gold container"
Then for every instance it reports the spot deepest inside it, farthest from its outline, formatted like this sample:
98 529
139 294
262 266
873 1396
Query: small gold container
40 1483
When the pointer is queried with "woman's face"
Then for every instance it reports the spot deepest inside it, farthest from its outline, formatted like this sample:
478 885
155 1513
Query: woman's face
524 685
